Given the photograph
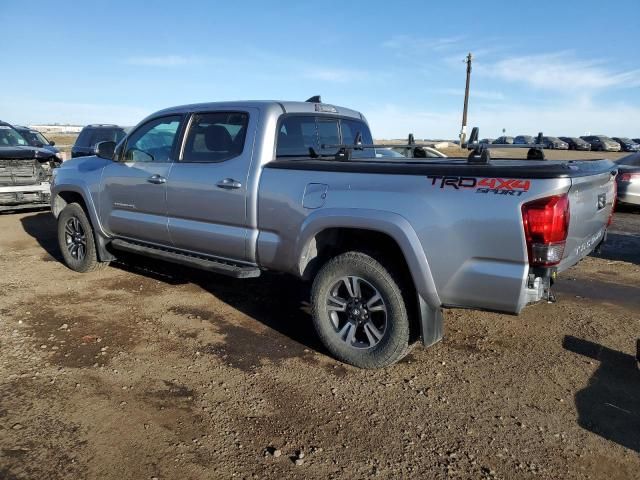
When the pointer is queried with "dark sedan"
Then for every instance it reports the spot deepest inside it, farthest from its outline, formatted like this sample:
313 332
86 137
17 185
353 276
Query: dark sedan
524 140
554 143
628 179
576 143
627 144
503 141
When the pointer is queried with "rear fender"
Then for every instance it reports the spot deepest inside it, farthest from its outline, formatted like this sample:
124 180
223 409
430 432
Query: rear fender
391 224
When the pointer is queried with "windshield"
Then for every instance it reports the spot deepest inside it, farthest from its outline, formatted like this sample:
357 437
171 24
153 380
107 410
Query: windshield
34 138
10 137
624 140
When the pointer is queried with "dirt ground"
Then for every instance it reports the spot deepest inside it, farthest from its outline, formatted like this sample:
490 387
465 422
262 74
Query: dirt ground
147 370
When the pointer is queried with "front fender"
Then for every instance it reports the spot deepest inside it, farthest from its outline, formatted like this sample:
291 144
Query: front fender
395 226
85 193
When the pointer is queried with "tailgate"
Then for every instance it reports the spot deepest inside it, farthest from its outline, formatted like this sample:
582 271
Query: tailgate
591 200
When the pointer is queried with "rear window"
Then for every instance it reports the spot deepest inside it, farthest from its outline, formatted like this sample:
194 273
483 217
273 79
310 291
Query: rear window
89 137
310 136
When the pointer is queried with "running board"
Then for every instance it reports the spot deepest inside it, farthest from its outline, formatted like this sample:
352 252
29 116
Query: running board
190 260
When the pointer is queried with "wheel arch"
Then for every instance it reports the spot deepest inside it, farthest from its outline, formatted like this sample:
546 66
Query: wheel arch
330 231
66 194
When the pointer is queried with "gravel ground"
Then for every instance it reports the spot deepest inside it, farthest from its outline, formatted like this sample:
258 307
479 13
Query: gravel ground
146 370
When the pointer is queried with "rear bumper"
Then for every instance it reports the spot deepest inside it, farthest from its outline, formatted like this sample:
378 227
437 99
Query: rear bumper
629 193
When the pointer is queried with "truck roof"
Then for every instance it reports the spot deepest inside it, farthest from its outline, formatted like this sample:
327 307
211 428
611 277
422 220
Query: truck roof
283 106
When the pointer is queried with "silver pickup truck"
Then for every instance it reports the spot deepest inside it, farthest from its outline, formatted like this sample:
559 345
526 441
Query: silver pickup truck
241 187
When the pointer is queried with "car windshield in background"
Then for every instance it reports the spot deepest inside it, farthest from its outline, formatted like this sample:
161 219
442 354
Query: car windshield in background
388 153
625 139
10 137
91 136
34 137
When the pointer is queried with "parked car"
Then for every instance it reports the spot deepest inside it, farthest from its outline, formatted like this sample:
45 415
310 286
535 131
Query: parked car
628 179
503 141
524 140
487 141
241 187
388 153
25 171
419 152
627 144
91 135
576 143
602 143
554 143
36 139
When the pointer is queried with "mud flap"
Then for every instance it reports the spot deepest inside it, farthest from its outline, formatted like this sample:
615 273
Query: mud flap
431 323
104 255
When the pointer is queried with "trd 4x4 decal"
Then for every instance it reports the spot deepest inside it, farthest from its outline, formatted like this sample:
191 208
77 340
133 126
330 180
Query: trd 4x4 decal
497 186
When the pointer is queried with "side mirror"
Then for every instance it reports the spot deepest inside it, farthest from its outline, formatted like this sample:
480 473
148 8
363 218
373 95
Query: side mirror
105 149
52 143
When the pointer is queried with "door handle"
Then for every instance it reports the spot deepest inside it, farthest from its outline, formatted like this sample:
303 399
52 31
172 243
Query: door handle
157 179
229 184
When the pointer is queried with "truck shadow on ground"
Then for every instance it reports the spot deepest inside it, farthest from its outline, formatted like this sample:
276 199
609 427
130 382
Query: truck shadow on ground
43 228
609 405
621 247
278 301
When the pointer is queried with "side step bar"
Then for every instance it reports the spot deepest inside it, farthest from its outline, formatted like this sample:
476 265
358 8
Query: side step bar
203 263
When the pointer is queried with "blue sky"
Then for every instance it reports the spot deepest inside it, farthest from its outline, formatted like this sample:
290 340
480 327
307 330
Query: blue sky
562 67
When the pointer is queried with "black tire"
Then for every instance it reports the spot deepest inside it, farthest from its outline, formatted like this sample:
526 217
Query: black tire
395 340
76 240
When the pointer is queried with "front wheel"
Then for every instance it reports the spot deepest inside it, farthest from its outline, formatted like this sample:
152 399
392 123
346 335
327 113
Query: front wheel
76 241
359 311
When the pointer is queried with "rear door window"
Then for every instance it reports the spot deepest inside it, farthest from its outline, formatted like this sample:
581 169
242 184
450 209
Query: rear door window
215 137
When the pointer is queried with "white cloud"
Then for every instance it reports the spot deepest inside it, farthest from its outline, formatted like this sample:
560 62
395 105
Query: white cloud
559 71
412 42
30 111
474 94
164 61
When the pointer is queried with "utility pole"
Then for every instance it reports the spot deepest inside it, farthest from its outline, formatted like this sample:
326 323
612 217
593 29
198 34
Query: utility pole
463 131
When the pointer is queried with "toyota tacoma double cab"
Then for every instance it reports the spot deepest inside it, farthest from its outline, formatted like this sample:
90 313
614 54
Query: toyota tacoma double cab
238 188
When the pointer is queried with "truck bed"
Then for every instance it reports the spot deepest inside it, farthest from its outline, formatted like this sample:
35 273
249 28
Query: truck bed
532 169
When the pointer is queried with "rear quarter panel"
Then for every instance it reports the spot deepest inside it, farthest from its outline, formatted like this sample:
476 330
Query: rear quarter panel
473 242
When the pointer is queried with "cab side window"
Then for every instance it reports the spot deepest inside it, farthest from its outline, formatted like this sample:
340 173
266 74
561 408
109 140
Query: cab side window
153 141
215 137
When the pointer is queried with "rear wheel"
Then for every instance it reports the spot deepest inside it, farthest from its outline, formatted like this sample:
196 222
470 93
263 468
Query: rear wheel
76 240
359 311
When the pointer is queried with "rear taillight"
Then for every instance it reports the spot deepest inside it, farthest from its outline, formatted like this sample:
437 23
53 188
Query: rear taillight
628 177
546 225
